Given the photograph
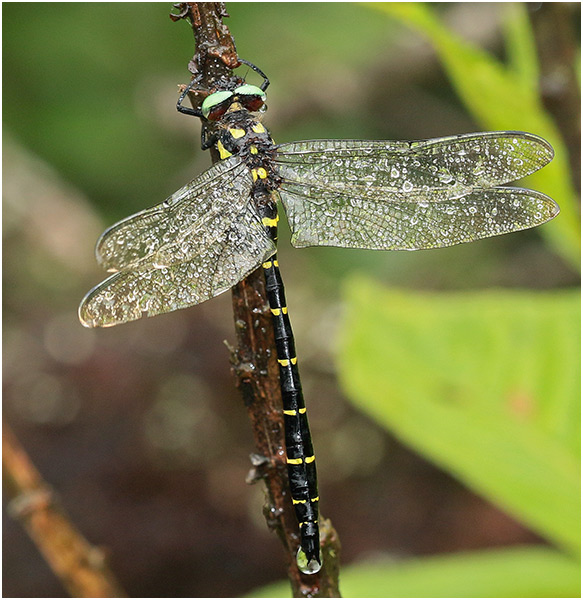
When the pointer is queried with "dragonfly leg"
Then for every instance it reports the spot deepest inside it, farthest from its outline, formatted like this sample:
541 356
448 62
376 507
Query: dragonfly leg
185 109
206 140
265 83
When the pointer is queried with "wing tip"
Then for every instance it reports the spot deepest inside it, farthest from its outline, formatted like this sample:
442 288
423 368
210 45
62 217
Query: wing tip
90 316
83 317
545 151
555 209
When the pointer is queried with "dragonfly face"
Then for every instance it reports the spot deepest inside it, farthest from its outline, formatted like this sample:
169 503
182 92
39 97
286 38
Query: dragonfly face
380 195
249 97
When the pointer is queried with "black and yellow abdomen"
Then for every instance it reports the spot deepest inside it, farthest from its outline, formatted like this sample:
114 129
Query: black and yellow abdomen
243 135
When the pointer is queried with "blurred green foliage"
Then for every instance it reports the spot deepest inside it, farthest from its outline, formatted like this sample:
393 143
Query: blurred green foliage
504 97
484 384
509 573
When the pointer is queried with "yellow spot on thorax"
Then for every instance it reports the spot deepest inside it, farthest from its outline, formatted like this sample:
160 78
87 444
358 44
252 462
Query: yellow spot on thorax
237 133
258 128
253 149
223 152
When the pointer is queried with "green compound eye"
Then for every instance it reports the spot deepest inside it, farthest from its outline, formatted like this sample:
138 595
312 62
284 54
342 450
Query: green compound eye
250 90
213 101
251 97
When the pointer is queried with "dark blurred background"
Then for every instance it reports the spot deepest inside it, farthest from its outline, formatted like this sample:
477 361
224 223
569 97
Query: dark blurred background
139 427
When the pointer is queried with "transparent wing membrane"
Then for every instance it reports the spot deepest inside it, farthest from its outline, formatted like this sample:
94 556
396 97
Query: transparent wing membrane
456 164
198 244
201 209
357 194
411 195
323 217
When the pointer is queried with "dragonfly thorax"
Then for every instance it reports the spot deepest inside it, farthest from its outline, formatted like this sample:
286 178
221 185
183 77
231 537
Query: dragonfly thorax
240 133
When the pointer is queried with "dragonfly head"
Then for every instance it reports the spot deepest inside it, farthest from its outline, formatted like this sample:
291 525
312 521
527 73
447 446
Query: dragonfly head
243 97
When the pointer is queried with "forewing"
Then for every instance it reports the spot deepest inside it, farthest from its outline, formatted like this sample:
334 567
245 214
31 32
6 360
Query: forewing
455 164
212 269
325 217
197 210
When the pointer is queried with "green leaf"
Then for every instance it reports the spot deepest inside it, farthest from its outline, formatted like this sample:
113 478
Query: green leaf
504 98
486 385
520 44
528 572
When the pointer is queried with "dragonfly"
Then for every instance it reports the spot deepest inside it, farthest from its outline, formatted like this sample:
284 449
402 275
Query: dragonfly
381 195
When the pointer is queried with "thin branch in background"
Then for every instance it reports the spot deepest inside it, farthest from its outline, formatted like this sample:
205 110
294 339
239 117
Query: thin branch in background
80 566
254 359
557 49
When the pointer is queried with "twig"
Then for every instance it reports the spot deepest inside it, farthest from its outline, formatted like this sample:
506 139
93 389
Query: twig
557 48
80 566
254 360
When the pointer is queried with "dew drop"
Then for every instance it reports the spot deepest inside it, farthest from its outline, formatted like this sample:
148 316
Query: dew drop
309 568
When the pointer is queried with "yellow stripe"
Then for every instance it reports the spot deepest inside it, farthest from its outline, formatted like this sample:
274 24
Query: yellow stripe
237 133
298 501
294 360
316 499
267 265
284 362
223 153
276 262
291 413
284 308
302 411
310 459
258 128
254 173
276 311
269 222
294 461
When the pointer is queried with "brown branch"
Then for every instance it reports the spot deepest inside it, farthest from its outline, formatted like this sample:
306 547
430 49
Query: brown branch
553 25
80 566
254 360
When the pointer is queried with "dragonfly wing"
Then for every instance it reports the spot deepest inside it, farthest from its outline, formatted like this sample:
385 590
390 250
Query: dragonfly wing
212 267
197 209
455 164
325 217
